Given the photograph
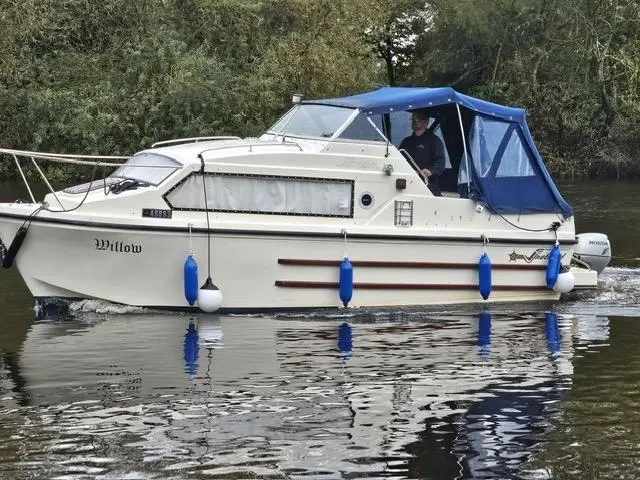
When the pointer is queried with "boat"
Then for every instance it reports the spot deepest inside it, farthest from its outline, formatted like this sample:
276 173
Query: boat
321 211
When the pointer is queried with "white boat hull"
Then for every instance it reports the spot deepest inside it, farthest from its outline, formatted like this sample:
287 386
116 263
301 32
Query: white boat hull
266 270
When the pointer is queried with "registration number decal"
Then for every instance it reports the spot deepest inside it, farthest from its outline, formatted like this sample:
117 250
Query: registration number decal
156 213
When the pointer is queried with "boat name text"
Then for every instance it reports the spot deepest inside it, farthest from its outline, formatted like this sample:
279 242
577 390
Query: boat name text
360 164
538 254
119 247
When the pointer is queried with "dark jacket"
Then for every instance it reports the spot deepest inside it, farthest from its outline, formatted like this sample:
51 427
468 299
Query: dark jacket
427 151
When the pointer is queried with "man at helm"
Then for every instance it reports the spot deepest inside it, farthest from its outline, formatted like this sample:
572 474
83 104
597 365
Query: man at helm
426 150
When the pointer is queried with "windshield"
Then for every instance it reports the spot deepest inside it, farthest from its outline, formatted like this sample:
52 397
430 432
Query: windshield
364 128
152 168
309 120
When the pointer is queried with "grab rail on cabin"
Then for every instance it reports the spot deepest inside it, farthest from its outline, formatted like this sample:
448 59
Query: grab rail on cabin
192 140
257 144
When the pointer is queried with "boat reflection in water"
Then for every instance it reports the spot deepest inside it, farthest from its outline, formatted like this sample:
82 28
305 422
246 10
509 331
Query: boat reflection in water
465 396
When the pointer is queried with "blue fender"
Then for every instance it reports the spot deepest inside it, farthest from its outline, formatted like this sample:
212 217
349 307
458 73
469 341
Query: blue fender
346 281
484 276
553 266
191 280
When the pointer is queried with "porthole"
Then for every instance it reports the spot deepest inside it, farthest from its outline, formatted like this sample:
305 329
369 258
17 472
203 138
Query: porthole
366 200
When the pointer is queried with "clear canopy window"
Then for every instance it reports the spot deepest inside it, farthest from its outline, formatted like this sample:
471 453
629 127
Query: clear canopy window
149 168
401 128
496 146
516 161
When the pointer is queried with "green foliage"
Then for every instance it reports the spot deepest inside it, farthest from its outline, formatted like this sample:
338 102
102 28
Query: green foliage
575 66
112 76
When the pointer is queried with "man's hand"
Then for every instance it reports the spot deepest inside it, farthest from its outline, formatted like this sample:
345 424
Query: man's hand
426 172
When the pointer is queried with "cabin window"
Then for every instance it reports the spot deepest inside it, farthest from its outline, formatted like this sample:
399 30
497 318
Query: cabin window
265 195
149 168
94 185
152 169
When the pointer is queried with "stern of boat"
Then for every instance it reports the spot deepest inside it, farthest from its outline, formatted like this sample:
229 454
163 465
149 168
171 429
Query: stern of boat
586 279
590 257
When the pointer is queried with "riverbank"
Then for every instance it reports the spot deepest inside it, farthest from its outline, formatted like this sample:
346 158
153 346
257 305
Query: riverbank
608 160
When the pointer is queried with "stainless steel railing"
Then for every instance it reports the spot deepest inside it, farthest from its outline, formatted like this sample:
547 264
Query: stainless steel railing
92 160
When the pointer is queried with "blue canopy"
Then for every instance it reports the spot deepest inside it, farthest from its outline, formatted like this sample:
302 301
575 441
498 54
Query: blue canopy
507 171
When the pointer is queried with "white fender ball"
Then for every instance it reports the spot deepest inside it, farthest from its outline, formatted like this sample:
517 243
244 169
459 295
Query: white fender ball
209 297
565 282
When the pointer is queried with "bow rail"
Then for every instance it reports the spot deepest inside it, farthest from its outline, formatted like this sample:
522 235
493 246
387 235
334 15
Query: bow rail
72 159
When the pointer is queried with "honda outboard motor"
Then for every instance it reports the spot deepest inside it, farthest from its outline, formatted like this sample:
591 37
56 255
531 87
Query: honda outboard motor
593 249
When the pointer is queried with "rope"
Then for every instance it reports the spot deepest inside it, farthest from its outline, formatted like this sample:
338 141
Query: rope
86 194
206 209
485 241
344 232
553 227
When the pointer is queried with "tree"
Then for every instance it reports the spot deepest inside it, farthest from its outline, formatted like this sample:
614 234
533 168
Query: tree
396 26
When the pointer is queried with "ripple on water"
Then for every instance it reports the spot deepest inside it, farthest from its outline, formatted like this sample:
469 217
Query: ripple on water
378 393
618 293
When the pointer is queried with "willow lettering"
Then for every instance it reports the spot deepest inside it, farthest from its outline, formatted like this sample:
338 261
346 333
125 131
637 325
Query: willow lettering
120 247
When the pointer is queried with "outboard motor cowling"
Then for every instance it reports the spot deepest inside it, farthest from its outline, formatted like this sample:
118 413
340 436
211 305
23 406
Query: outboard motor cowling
594 249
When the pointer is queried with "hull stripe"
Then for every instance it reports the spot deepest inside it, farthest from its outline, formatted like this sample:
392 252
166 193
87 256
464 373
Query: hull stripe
406 286
396 264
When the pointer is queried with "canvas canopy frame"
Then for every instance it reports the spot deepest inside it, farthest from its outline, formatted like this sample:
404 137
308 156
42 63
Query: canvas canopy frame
494 158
